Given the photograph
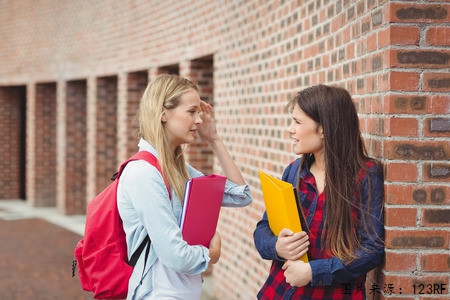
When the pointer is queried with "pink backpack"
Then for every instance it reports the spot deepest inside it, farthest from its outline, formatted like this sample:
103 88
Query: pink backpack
101 255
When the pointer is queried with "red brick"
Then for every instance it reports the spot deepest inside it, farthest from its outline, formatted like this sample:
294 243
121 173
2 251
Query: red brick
401 58
372 44
437 36
436 82
435 217
417 150
400 194
400 216
406 104
425 13
374 126
374 147
400 261
399 35
414 194
436 172
434 262
417 239
436 127
400 81
440 104
404 127
405 172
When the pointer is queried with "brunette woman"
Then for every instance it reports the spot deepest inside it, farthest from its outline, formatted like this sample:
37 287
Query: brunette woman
340 190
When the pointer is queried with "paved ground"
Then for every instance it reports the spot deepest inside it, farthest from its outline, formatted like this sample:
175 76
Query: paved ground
36 254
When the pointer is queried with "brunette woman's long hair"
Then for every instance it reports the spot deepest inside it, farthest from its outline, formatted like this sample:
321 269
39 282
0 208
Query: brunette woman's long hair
345 157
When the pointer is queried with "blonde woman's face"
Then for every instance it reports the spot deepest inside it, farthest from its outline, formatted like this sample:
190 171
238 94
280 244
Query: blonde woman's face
180 124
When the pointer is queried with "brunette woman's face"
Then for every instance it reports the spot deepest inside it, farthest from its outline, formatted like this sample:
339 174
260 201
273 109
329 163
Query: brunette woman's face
180 123
306 135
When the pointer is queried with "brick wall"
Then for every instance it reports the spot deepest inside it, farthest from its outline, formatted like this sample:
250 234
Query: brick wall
11 148
249 57
416 148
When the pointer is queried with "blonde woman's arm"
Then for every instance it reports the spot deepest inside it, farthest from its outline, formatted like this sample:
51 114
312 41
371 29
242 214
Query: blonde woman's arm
207 130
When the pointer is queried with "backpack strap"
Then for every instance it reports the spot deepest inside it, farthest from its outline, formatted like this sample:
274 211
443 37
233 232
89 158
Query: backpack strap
151 159
148 157
135 256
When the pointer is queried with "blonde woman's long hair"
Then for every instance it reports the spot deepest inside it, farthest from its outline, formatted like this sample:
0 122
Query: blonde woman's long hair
164 92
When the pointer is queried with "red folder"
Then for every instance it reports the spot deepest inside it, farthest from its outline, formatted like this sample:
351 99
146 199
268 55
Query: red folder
201 208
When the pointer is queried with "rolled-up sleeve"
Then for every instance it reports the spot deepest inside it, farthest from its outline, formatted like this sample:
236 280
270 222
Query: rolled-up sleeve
234 195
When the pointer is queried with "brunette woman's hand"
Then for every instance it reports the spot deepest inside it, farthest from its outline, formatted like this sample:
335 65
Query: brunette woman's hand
207 130
290 245
297 273
214 248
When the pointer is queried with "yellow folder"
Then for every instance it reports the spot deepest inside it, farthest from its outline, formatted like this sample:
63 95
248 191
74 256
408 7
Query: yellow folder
281 205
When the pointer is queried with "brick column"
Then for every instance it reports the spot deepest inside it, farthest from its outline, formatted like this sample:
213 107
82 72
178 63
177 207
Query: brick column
75 150
45 144
31 144
136 82
122 125
61 144
106 132
91 111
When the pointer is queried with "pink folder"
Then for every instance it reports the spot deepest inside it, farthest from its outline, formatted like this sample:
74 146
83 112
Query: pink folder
201 208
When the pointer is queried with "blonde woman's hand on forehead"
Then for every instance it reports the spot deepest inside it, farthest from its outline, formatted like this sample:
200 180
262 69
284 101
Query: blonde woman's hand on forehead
207 130
207 109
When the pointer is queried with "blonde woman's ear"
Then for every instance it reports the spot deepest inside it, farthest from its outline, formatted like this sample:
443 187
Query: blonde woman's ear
163 116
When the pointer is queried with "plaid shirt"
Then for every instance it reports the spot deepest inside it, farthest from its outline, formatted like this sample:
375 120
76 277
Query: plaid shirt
331 278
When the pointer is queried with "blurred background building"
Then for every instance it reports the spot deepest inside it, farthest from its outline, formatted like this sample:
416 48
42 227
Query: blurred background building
72 73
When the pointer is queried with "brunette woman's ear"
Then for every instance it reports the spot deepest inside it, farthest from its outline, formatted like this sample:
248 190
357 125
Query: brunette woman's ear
321 131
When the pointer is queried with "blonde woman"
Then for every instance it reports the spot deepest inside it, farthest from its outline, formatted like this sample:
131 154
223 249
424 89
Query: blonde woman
170 115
